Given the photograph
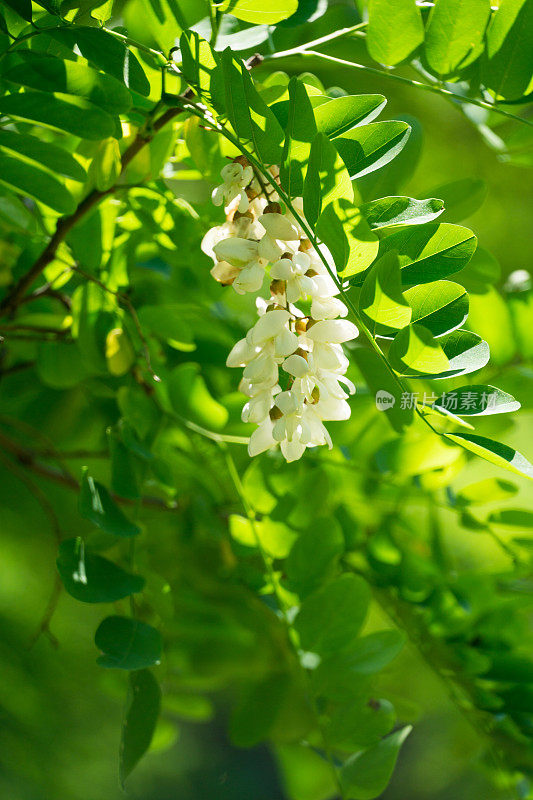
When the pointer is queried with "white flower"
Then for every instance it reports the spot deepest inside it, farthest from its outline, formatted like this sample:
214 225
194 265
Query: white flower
236 251
272 328
261 439
257 408
278 232
332 331
224 273
293 272
235 179
250 278
327 308
309 376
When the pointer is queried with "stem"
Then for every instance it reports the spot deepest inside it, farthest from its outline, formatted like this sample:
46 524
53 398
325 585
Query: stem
435 89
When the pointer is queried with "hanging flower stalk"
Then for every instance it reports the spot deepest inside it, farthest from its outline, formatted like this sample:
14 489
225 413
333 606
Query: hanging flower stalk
292 357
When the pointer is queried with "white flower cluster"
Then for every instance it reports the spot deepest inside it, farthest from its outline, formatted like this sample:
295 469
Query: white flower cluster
291 405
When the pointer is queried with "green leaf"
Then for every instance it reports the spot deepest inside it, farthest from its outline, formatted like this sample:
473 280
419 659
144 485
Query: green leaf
497 453
370 147
381 300
97 505
415 352
190 397
366 774
314 555
92 579
509 64
106 165
340 115
124 480
395 30
367 655
142 712
268 13
326 179
454 30
383 387
466 352
15 214
49 74
348 237
127 643
477 400
461 198
107 53
490 490
431 251
389 211
49 155
333 615
201 69
22 7
440 306
29 179
299 134
354 726
250 117
64 112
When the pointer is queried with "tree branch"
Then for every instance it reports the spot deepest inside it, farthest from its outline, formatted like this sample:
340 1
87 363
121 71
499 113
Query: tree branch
65 224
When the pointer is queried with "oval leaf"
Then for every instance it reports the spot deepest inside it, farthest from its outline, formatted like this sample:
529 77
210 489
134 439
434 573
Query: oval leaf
92 579
142 712
127 643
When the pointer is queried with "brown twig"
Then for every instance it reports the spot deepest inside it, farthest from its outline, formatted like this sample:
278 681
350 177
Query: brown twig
28 459
65 224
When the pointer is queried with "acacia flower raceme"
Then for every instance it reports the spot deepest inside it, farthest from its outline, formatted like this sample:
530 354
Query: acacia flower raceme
292 358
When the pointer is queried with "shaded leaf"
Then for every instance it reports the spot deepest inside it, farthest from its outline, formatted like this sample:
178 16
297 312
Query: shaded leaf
50 74
96 504
92 579
29 179
326 179
107 53
477 401
127 643
370 147
430 251
55 158
65 112
509 65
366 774
142 712
333 615
299 134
